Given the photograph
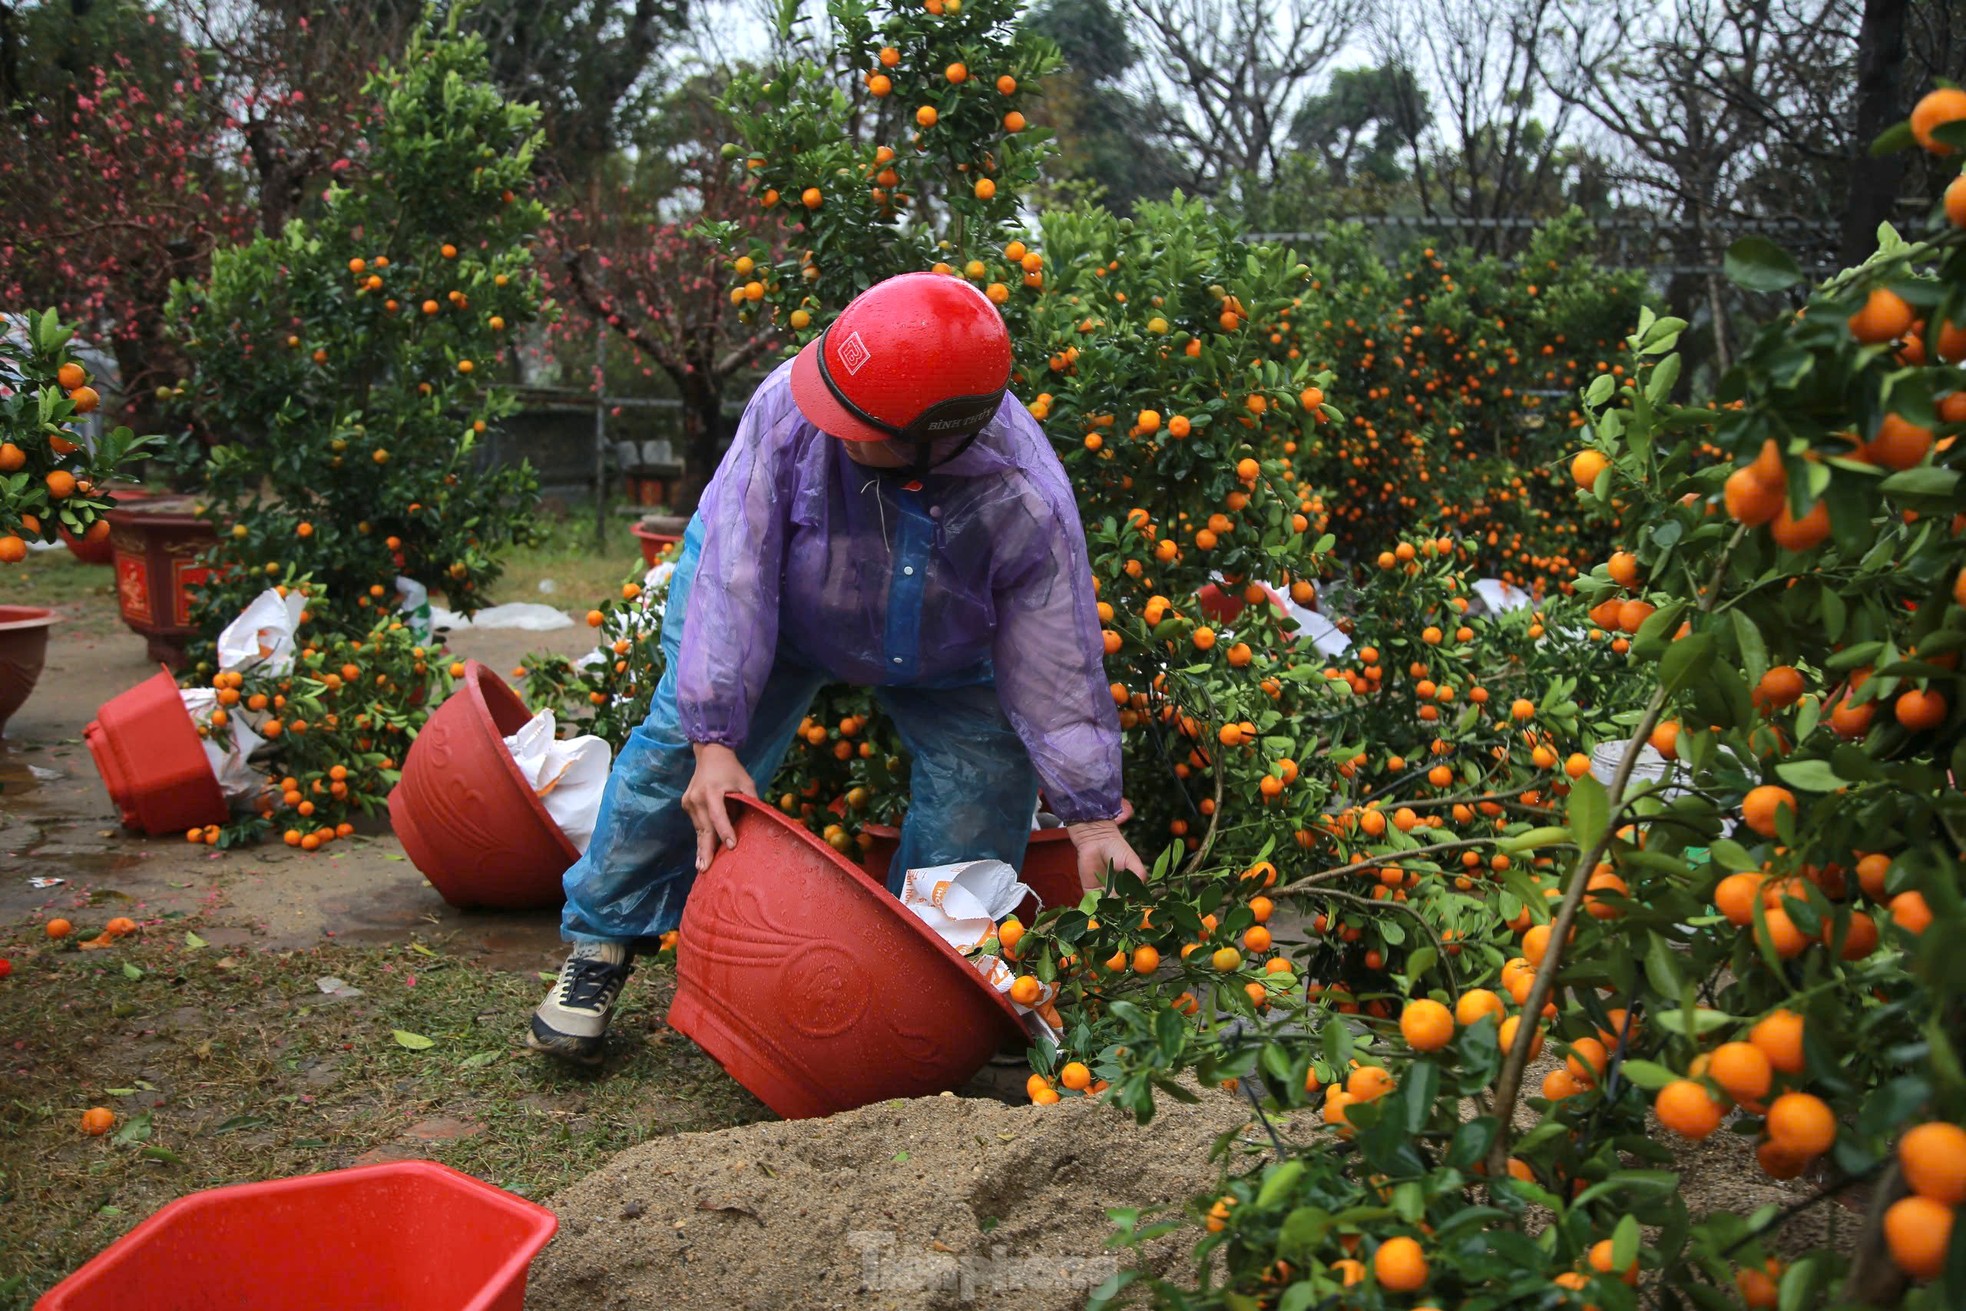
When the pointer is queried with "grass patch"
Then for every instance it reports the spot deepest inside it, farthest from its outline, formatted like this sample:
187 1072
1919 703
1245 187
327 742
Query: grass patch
224 1069
581 571
85 593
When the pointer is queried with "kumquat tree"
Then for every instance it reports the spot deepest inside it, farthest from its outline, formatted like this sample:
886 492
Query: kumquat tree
351 363
1499 882
51 479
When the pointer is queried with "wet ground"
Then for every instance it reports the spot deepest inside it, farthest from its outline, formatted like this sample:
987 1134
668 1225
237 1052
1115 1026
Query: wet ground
56 820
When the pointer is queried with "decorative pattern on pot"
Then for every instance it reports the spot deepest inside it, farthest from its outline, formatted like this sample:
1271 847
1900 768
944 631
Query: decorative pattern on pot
815 988
156 547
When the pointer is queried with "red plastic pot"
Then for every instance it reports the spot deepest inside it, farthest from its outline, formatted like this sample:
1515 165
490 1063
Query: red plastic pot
23 650
655 543
103 551
156 545
814 988
1051 862
466 816
402 1234
153 762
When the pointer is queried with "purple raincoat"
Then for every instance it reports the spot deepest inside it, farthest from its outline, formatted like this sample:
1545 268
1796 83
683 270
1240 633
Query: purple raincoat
978 573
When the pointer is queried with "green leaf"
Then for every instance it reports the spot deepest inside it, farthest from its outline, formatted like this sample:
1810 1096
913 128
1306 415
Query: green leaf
1925 480
193 942
1302 1230
1277 1186
131 972
478 1061
1894 138
1624 1242
163 1154
1589 811
1685 660
1809 775
1648 1075
1758 264
416 1042
135 1130
1533 839
240 1122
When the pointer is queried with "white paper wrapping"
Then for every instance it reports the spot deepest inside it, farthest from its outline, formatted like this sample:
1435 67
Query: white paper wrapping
568 776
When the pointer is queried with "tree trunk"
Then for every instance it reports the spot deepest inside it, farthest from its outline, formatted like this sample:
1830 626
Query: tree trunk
703 430
1874 180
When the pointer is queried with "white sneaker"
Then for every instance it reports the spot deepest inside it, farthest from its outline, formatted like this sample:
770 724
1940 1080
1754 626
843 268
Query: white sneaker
572 1023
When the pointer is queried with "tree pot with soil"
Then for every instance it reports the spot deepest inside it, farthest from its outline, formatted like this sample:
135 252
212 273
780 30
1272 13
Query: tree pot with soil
657 532
103 550
156 546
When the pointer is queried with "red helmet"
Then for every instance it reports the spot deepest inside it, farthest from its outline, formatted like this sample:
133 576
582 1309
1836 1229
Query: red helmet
917 358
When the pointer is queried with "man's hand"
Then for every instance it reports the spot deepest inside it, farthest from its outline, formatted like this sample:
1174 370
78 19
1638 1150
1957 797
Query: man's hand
718 774
1101 848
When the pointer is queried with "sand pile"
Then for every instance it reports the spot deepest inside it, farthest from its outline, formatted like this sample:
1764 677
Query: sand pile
931 1203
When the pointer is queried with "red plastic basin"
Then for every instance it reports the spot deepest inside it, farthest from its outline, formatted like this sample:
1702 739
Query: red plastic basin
1051 862
406 1234
152 761
467 818
814 988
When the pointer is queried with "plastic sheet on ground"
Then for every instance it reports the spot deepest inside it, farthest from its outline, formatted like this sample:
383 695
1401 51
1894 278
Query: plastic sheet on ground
237 779
567 777
527 616
963 903
262 637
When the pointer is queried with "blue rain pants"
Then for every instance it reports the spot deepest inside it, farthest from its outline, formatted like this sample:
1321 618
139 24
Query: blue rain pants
972 790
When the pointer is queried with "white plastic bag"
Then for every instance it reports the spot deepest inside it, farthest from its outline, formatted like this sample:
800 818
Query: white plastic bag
568 776
236 778
1499 597
413 600
263 634
963 903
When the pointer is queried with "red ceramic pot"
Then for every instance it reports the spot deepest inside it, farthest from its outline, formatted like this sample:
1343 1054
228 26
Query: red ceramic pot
23 649
103 551
400 1234
814 988
156 545
466 816
153 762
654 542
1051 862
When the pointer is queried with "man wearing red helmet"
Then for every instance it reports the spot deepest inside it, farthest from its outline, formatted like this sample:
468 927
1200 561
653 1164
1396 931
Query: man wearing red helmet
887 516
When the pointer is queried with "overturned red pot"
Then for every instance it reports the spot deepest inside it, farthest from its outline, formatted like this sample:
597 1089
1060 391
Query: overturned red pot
153 762
23 651
817 990
467 818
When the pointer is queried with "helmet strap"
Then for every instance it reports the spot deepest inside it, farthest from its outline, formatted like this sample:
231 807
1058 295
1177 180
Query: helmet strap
923 464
